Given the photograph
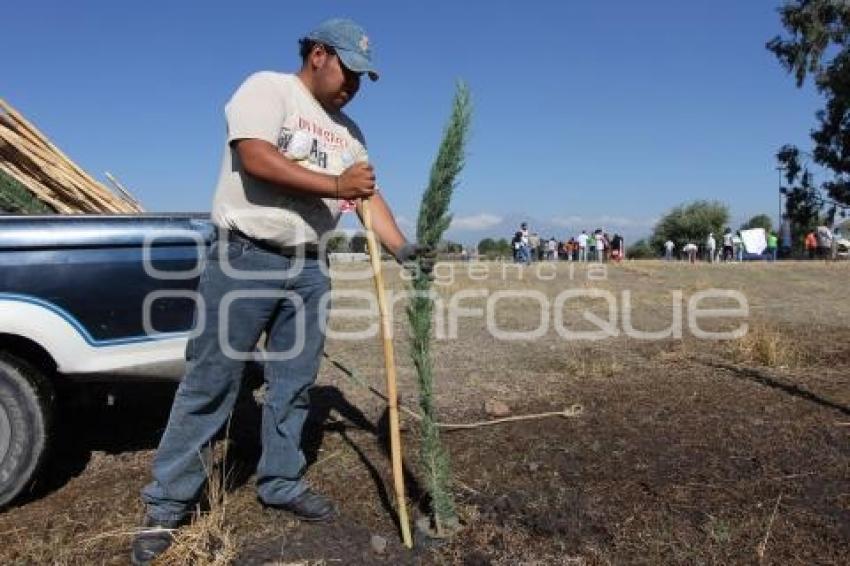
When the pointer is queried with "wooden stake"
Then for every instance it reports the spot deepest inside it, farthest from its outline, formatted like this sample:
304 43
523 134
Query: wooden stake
123 193
389 361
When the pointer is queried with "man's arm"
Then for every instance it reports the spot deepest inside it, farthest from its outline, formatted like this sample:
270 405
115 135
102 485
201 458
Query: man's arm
262 160
384 224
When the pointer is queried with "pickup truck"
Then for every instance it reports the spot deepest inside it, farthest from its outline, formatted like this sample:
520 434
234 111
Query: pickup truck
87 298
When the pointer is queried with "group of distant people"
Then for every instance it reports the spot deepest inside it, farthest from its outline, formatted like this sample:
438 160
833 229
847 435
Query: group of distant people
596 246
732 248
821 244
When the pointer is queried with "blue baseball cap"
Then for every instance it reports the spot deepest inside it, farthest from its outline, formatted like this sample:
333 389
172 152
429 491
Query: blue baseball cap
350 42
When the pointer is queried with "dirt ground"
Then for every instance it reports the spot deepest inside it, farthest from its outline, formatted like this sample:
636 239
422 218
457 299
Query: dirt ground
688 450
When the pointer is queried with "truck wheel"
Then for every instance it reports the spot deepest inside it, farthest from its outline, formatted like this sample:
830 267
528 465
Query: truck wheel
26 400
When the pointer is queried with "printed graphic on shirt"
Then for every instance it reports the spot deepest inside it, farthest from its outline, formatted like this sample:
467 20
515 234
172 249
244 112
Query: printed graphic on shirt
309 141
313 144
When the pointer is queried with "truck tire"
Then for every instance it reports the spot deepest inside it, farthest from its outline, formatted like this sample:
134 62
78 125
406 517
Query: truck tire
26 401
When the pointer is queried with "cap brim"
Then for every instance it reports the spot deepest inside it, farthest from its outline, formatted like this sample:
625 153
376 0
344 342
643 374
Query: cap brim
354 61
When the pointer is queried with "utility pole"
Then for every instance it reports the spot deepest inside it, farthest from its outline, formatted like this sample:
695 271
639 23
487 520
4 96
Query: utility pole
779 170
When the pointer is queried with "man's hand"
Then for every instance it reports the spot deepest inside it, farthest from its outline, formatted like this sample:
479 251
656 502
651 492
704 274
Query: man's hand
410 253
358 181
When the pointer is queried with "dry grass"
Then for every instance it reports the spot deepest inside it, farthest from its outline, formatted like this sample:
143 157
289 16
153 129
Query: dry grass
593 363
319 562
767 346
209 540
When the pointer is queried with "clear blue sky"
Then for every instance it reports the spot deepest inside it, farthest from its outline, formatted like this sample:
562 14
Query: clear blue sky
586 113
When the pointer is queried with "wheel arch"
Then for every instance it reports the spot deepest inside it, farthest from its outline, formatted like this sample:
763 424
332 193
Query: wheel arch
30 352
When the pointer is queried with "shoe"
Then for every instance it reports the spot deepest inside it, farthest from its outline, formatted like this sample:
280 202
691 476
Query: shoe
152 540
309 506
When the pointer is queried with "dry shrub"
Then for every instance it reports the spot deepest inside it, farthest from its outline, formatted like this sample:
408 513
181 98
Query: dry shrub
767 346
593 363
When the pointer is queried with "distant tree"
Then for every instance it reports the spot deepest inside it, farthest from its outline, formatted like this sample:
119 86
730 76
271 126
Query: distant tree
803 201
690 223
758 221
492 249
819 46
641 250
357 244
338 243
504 248
486 246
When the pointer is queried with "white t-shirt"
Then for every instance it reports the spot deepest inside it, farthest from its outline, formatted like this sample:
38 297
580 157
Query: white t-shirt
669 245
278 108
727 239
582 240
711 243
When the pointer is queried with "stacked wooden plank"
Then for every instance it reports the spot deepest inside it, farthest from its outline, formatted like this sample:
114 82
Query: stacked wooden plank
29 157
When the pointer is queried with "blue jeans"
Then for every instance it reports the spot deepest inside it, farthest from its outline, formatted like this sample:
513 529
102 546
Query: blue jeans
203 402
525 254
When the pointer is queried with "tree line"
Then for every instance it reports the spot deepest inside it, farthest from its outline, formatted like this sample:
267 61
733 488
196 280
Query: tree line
817 47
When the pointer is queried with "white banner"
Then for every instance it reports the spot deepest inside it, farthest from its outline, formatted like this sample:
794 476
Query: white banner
755 241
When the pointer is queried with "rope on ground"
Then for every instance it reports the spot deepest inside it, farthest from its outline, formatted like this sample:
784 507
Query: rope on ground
572 411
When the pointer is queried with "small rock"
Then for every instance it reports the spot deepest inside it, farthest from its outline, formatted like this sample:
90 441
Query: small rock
496 408
533 467
379 544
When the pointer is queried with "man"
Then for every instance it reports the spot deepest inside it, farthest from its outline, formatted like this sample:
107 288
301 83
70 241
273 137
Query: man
583 243
293 161
738 246
824 239
534 247
837 237
728 246
601 245
772 246
669 246
711 247
811 244
691 250
617 248
516 245
525 243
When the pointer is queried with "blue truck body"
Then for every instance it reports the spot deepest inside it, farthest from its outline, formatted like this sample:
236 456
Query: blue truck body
75 304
